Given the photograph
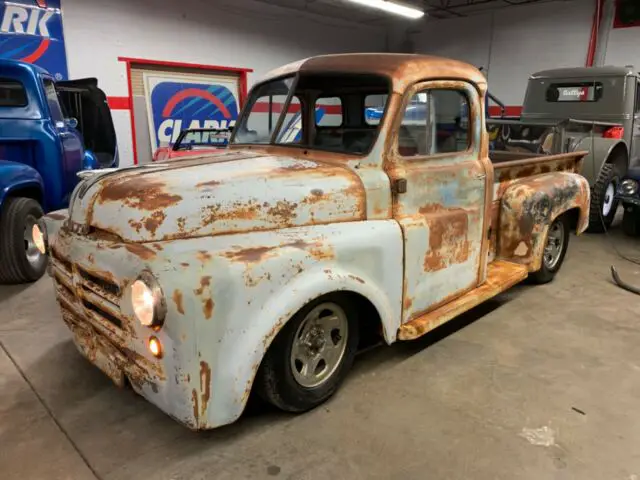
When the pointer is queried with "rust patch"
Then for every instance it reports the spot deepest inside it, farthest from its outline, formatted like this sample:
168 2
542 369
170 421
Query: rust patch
356 278
177 299
448 242
194 402
249 255
283 211
137 226
203 256
184 264
210 183
140 251
408 302
207 308
152 222
138 192
181 222
205 386
205 282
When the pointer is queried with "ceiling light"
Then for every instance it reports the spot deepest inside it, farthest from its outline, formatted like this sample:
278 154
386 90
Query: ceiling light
391 7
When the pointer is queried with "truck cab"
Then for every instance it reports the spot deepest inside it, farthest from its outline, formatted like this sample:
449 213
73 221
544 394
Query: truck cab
199 280
48 133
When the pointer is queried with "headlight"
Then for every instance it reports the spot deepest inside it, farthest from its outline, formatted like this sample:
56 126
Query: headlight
629 187
39 235
148 301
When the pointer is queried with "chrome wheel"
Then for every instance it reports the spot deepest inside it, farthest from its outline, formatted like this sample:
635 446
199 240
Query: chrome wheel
608 201
319 345
34 257
555 244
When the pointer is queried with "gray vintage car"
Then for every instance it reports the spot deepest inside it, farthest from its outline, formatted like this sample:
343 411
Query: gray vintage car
571 109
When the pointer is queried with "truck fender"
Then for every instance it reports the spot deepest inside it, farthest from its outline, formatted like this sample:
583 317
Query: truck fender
601 151
245 352
17 176
530 206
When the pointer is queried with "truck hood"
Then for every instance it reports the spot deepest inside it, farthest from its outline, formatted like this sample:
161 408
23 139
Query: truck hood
218 194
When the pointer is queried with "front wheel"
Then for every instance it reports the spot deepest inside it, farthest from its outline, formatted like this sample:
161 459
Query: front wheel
603 199
20 259
310 357
555 249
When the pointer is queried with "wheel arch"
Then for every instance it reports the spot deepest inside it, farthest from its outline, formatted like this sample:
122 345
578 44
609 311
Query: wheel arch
244 353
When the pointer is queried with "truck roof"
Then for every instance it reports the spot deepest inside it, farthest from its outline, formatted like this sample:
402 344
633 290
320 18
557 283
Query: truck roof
7 65
403 69
580 72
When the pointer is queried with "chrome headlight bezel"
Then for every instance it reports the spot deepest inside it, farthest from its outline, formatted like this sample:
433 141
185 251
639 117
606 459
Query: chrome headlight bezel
158 302
629 187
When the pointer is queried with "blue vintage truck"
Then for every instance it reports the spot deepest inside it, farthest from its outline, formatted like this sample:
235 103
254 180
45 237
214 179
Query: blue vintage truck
49 131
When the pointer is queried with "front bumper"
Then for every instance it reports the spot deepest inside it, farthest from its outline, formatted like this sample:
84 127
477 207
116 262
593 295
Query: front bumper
91 281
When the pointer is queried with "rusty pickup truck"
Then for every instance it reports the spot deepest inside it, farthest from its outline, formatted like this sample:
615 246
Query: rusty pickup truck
200 280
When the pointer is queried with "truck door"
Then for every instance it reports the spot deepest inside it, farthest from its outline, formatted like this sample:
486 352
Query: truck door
71 143
445 174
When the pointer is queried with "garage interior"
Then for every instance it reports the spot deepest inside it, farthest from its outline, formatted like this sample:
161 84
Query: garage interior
539 382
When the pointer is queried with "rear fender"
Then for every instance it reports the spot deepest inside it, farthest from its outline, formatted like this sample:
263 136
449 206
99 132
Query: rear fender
600 152
530 206
18 176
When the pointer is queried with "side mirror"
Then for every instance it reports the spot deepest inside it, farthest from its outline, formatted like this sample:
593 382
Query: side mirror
71 122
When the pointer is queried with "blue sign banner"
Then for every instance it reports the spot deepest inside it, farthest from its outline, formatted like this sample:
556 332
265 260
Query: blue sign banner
179 105
31 31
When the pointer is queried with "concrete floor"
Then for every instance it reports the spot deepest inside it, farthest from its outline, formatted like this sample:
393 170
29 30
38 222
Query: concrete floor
543 382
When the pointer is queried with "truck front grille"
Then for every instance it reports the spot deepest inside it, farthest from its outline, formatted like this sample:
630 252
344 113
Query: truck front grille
90 296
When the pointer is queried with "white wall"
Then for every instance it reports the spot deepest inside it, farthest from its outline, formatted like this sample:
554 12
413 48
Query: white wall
235 33
623 47
514 42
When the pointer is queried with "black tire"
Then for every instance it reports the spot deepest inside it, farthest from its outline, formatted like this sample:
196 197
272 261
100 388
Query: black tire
547 273
608 175
14 264
631 221
275 381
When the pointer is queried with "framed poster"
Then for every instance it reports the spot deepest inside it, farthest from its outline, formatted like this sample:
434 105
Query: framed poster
31 31
627 14
176 102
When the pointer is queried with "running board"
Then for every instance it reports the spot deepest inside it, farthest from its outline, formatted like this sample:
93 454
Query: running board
501 276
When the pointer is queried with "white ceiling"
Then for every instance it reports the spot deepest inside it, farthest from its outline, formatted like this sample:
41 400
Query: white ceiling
435 9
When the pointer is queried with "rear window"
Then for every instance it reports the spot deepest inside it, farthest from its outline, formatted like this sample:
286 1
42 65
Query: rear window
12 93
574 92
329 112
374 106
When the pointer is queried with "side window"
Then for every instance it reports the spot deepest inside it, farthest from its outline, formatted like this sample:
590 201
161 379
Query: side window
291 131
52 100
374 106
329 112
435 121
12 93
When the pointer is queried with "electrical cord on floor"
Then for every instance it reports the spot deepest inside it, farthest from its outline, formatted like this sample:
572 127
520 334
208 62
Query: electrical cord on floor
614 273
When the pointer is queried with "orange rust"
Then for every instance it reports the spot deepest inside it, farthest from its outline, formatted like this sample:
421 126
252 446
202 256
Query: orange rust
194 402
177 299
203 256
181 222
408 302
205 282
140 251
207 308
152 222
184 264
210 183
448 242
158 246
137 226
284 211
205 385
138 191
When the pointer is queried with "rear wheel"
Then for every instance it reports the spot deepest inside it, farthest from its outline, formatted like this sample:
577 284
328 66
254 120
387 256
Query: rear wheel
555 249
20 260
311 356
603 199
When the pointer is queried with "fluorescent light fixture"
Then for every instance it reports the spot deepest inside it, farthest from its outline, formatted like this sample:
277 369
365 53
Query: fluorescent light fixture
391 7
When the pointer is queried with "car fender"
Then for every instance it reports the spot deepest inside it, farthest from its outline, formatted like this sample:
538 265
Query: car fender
600 150
16 176
530 206
255 283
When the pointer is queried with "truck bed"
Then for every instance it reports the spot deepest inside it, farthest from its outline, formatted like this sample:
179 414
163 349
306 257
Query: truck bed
509 167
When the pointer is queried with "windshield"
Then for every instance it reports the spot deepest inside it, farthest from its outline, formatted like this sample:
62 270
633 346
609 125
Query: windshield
339 113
